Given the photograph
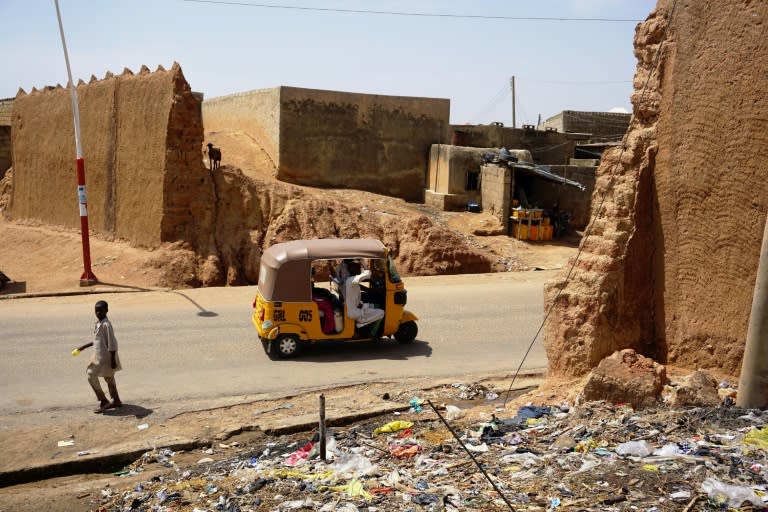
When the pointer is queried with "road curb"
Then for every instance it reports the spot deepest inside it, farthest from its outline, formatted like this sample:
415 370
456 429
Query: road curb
113 462
35 295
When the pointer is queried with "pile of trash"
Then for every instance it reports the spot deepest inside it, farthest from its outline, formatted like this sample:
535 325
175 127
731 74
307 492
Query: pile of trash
594 456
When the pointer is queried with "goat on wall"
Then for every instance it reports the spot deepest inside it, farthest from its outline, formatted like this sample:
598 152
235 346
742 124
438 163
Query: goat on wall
214 157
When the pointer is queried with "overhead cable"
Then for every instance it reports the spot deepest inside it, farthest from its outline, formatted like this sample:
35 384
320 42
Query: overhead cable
421 14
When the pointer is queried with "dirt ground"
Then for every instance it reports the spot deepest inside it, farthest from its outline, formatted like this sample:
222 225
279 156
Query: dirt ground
44 258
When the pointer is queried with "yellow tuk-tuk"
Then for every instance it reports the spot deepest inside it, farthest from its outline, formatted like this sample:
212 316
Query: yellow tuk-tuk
365 297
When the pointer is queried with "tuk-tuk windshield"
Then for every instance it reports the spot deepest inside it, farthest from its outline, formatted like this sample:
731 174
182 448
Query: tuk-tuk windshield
393 275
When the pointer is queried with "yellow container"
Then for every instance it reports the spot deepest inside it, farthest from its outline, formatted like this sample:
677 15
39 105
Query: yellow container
545 221
520 231
546 232
536 213
533 233
520 214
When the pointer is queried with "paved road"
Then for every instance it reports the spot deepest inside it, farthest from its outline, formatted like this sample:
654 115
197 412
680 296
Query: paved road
199 345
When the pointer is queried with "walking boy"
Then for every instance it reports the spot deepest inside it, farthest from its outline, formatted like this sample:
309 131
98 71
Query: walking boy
105 361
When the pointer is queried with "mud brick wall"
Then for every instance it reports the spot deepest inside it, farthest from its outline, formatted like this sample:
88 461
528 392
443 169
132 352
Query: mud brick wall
254 113
576 202
141 138
545 147
6 107
669 267
364 141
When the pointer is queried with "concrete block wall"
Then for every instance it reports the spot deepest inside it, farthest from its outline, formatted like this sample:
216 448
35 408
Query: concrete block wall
496 189
602 124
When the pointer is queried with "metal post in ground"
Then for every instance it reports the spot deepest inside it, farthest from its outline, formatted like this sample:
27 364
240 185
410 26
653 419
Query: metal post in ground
753 385
322 428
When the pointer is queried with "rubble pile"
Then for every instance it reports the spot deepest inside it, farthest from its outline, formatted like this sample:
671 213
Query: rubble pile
589 457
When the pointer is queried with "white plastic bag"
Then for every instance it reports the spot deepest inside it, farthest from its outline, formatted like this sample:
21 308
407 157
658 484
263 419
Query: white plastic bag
453 413
735 494
634 448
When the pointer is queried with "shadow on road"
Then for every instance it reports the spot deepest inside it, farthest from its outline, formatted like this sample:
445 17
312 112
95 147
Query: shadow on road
129 410
335 351
203 312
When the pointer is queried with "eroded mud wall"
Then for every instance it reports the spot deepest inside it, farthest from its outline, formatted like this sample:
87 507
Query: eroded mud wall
254 114
364 141
141 137
670 265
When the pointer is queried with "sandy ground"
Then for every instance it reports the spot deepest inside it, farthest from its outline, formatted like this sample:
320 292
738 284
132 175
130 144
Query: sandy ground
44 258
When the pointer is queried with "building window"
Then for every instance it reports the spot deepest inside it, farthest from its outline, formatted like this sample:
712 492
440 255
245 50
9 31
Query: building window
473 180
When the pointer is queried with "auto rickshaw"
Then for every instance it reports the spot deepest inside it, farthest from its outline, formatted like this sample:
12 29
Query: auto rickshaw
290 309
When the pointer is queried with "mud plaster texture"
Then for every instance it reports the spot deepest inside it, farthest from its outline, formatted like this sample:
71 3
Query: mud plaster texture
668 266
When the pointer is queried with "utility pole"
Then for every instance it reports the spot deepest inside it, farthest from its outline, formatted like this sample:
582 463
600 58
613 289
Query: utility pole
753 385
87 278
512 85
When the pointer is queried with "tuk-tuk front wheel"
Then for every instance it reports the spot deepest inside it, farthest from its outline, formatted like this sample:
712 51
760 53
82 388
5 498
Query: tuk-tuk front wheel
407 332
285 346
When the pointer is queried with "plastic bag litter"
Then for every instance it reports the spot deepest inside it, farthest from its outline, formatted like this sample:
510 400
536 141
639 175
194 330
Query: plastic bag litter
353 465
393 426
757 437
634 448
297 504
453 413
734 494
667 450
480 448
354 489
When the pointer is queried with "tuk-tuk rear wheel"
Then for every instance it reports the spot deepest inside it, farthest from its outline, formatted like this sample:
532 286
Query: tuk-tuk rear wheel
407 332
285 346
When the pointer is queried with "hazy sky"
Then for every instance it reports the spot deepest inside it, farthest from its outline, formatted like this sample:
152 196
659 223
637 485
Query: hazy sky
227 46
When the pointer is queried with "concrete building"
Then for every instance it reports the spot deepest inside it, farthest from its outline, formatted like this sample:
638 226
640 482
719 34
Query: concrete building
603 125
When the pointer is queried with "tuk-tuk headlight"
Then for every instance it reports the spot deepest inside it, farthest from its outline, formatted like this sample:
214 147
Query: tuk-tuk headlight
266 325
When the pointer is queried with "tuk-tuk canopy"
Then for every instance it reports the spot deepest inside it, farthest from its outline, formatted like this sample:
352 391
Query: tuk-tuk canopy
285 271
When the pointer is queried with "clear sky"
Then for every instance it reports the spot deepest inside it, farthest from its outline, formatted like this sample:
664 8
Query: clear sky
467 55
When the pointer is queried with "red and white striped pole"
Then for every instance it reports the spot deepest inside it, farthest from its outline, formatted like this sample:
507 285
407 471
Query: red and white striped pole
87 278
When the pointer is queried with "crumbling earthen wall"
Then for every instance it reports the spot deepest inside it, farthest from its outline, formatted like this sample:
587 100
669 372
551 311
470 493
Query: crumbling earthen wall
141 137
255 114
669 267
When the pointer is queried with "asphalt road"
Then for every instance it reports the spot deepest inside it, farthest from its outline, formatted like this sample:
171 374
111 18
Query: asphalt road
199 345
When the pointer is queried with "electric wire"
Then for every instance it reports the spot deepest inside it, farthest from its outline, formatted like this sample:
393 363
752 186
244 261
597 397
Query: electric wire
479 466
603 195
500 96
418 14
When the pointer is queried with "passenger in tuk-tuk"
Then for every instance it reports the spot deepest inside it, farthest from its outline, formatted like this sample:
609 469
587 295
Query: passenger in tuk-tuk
363 313
340 275
325 304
